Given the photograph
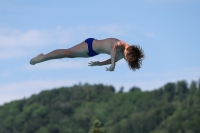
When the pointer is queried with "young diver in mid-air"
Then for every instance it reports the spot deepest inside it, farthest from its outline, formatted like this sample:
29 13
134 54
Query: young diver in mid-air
117 49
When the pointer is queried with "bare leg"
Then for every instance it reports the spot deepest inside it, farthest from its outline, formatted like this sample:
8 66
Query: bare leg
56 54
79 50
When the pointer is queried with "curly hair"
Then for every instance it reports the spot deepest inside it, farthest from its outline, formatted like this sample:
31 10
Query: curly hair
134 57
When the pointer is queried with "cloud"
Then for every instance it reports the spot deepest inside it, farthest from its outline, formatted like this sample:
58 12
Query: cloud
149 81
180 73
12 53
19 90
14 38
15 43
4 74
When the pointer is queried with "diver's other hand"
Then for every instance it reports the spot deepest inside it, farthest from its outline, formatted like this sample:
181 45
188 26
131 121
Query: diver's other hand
94 63
111 68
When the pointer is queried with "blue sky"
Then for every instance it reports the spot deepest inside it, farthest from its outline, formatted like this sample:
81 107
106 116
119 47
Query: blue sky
167 30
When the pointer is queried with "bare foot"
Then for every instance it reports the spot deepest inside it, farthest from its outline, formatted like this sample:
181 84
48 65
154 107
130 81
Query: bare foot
36 59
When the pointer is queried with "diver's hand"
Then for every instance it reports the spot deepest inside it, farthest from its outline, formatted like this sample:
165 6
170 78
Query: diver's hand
111 68
95 63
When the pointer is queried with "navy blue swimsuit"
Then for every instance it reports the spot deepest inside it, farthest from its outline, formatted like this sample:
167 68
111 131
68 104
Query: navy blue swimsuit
91 51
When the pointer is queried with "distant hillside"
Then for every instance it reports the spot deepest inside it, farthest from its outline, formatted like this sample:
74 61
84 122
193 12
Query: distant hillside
174 108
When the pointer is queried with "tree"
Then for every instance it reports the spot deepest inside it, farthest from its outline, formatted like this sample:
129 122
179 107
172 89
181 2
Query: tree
121 89
182 87
134 88
170 88
193 87
96 127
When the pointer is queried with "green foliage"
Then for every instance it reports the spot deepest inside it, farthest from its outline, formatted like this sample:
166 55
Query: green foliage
134 88
96 127
173 108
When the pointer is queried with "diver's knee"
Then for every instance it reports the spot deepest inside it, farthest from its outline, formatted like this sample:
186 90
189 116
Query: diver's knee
69 54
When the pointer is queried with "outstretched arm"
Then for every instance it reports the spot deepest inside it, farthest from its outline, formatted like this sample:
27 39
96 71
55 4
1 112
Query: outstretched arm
98 63
106 62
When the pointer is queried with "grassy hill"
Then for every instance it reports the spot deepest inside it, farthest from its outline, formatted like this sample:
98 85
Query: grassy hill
174 108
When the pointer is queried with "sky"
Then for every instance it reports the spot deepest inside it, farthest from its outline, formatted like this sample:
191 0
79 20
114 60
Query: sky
167 30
